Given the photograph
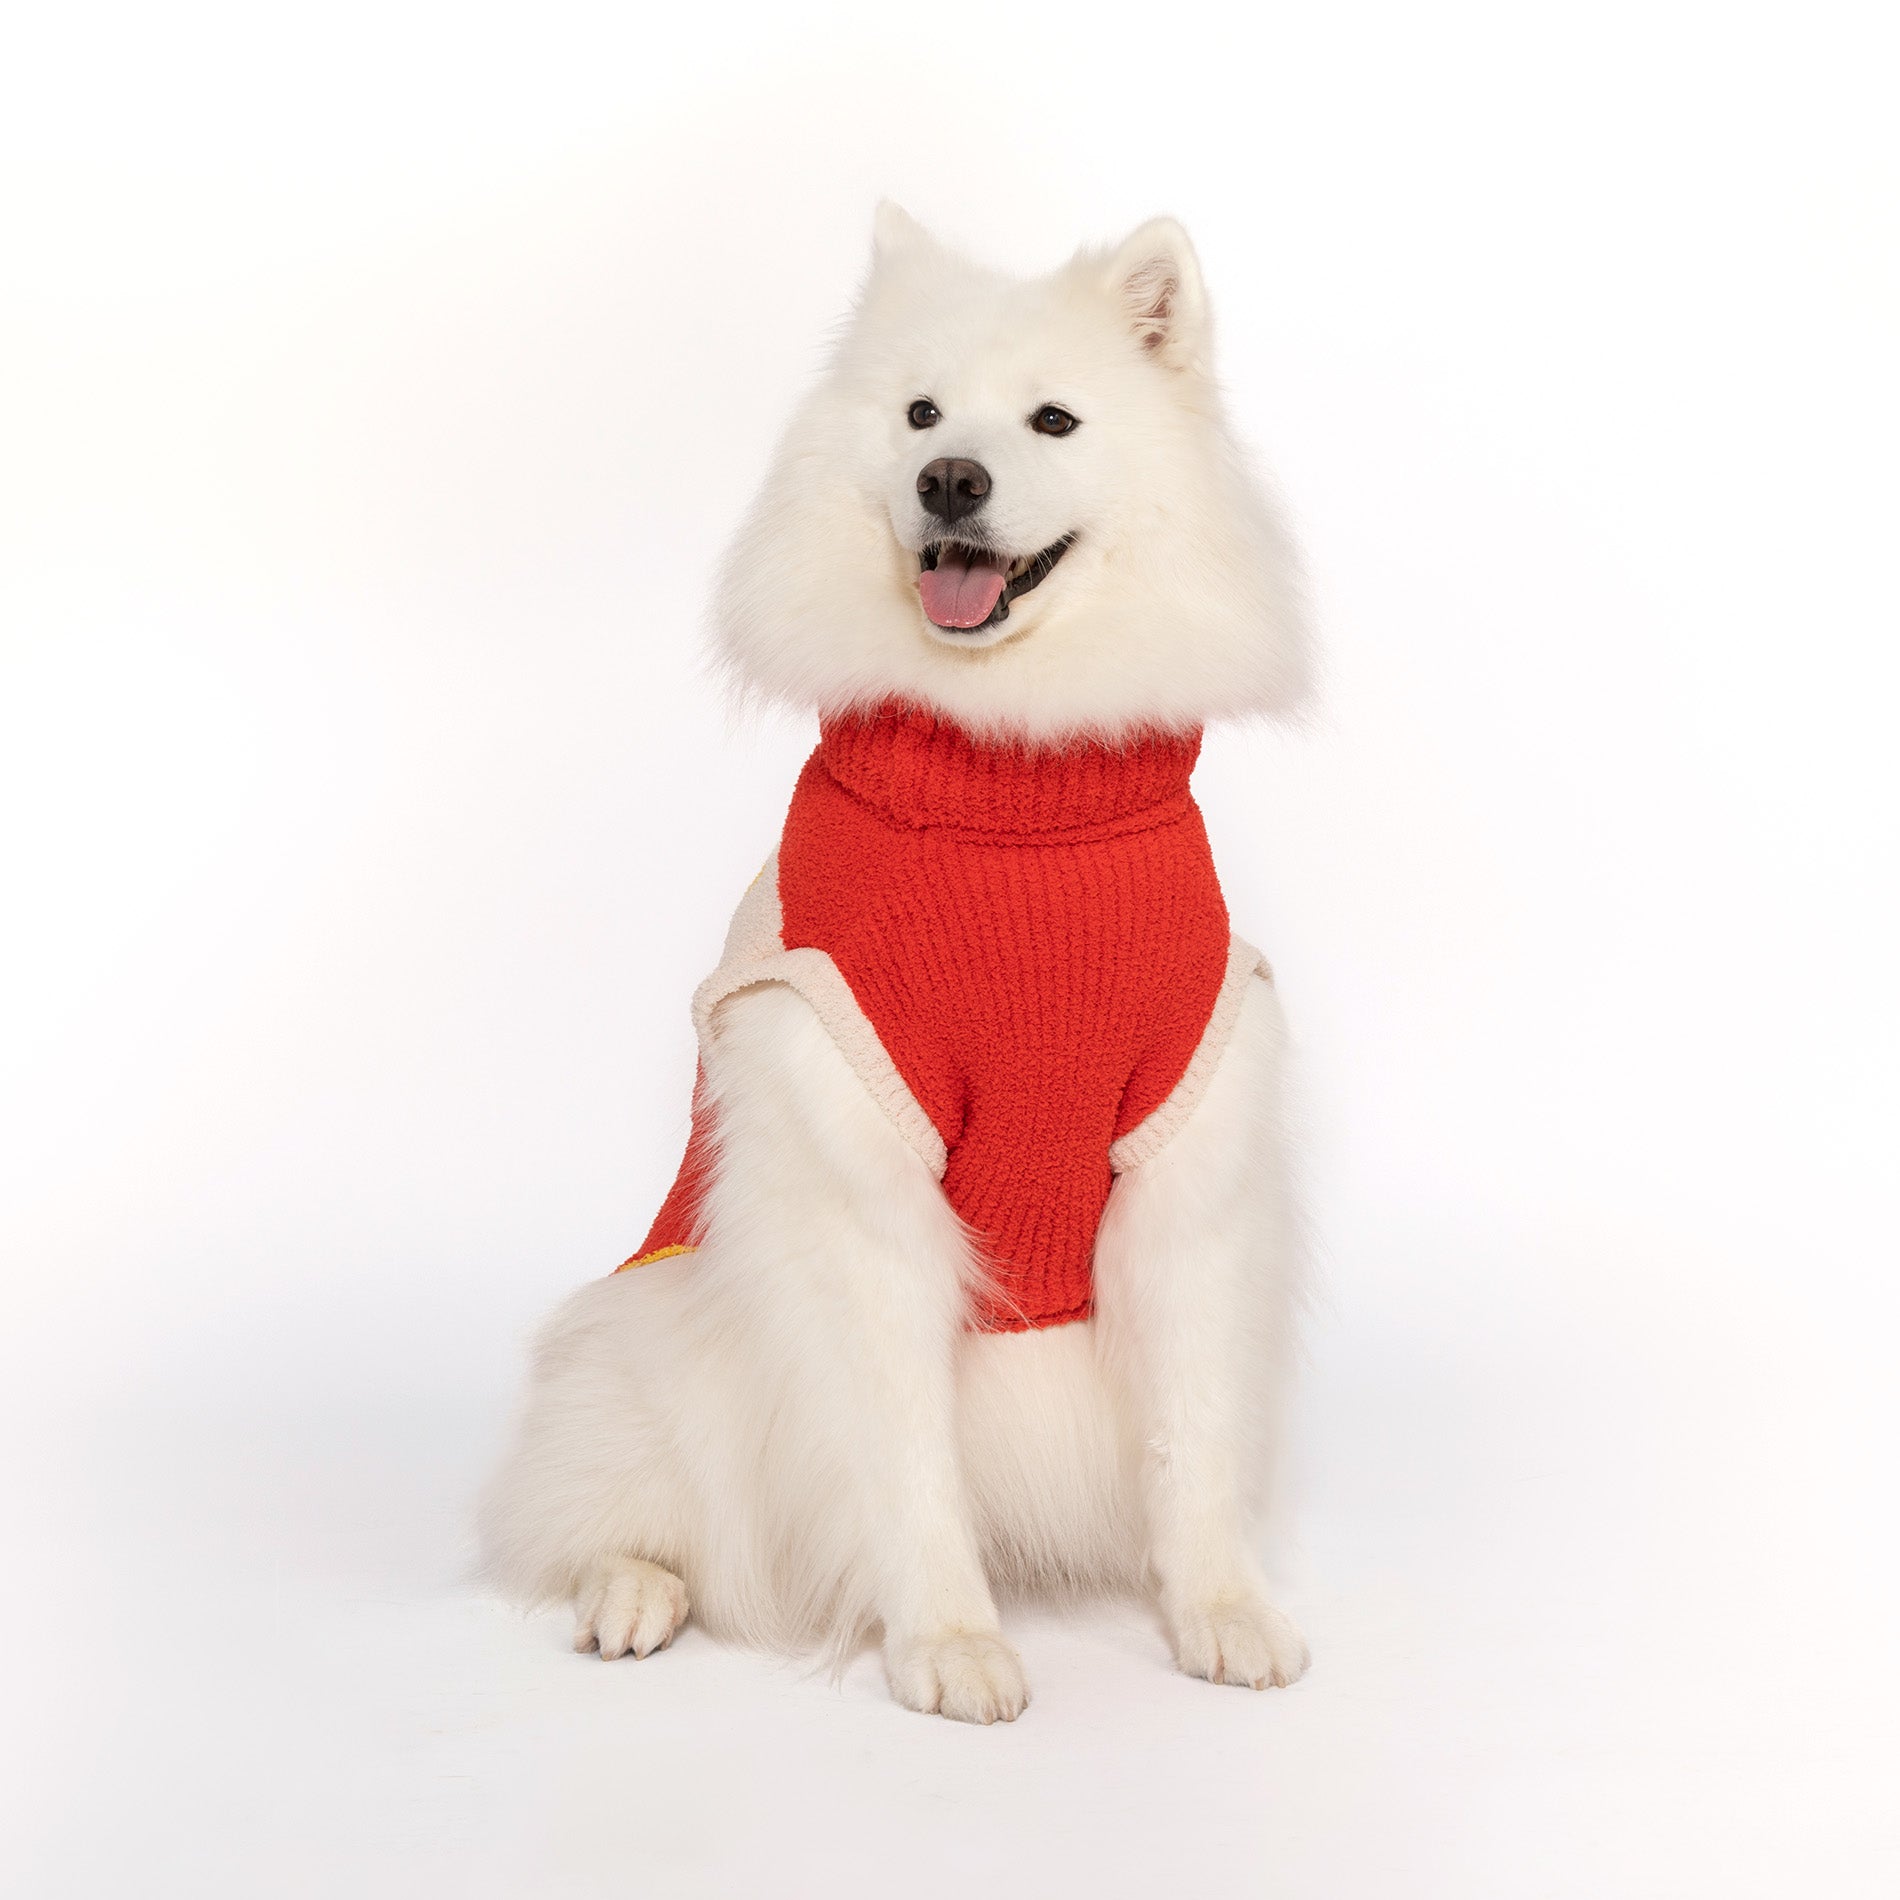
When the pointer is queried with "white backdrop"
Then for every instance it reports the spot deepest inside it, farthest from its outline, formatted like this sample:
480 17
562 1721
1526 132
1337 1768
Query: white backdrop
377 386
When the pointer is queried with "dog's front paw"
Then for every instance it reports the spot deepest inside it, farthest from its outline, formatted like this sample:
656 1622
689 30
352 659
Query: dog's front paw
1239 1639
628 1605
968 1675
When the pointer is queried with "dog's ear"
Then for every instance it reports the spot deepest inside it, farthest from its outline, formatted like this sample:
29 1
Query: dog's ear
895 233
1156 279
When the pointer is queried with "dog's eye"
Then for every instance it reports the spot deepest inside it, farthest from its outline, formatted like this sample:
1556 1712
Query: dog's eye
923 413
1049 420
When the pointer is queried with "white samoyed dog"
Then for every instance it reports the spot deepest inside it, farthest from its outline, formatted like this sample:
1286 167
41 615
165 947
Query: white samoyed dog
1015 509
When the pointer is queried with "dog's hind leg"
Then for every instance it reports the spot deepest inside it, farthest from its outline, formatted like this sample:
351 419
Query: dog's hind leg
1195 1295
593 1494
628 1604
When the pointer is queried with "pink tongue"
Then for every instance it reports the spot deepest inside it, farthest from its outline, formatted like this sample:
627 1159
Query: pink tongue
962 589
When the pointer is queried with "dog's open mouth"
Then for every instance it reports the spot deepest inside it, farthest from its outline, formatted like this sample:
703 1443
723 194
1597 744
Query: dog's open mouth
966 588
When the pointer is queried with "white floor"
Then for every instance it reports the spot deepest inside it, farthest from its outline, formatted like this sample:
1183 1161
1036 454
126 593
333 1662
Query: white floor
1572 1635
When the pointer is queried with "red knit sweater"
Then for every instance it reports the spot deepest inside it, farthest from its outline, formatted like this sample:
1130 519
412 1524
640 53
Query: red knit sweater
1038 939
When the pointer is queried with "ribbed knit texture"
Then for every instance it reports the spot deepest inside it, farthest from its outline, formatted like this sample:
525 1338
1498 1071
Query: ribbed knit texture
1037 937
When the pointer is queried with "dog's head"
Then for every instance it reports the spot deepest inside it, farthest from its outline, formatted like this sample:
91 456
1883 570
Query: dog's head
1017 502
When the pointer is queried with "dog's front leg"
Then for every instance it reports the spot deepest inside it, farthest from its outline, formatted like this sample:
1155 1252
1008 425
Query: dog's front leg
851 1271
1194 1306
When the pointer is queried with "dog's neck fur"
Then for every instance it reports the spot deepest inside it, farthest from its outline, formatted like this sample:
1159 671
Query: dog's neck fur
918 769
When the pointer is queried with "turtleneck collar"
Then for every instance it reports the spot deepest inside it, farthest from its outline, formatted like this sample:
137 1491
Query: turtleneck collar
921 771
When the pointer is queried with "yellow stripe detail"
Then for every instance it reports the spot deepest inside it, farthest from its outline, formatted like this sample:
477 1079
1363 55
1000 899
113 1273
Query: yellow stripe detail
659 1253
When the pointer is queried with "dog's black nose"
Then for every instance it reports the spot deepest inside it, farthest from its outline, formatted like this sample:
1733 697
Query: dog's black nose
952 489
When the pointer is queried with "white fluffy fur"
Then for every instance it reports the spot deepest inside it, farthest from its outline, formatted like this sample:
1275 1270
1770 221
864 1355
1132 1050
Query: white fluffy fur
792 1427
1178 602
